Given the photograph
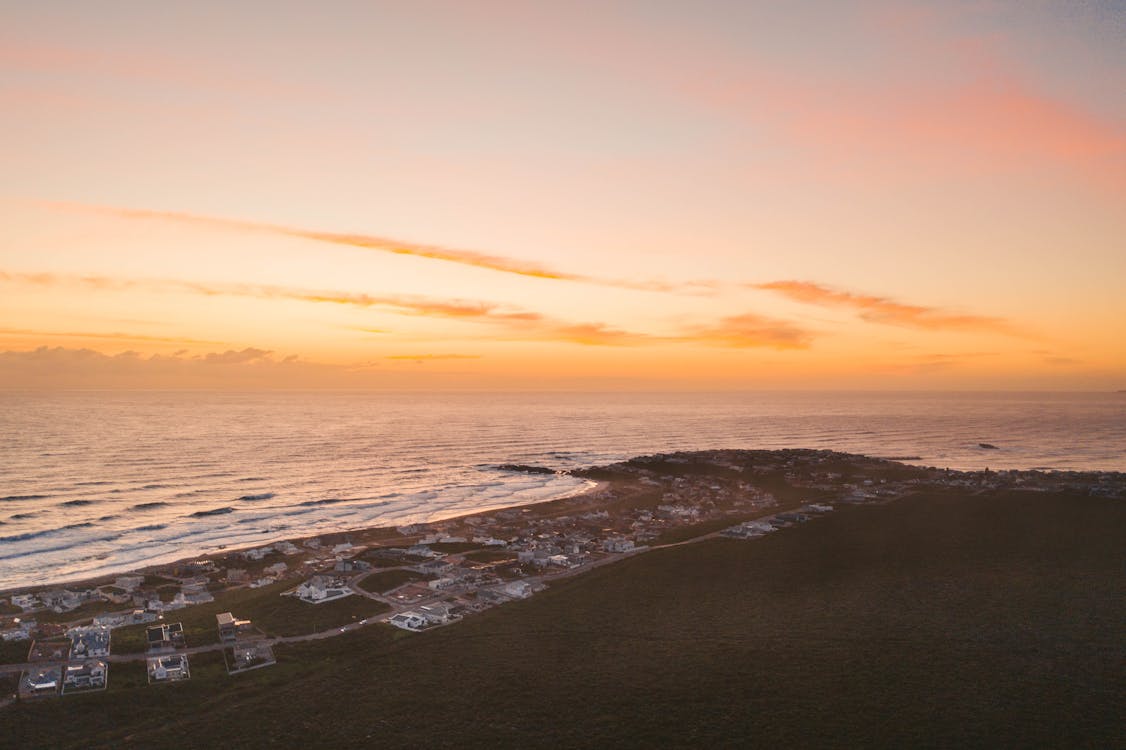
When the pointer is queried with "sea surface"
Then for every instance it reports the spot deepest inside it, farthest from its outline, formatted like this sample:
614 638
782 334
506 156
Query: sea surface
99 482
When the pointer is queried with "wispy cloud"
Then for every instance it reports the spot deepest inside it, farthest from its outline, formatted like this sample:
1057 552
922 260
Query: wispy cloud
499 263
429 357
400 304
114 336
751 330
888 311
514 324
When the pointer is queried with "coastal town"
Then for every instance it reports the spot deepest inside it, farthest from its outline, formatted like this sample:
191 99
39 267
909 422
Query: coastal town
57 641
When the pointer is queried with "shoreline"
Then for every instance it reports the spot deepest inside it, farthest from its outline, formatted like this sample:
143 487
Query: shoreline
589 487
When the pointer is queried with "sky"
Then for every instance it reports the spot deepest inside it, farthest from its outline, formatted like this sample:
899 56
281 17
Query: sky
582 195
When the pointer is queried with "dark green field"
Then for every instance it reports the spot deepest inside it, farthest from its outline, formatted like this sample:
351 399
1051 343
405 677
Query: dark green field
386 580
271 613
942 621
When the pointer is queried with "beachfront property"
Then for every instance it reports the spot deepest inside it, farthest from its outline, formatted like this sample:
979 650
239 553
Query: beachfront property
247 656
92 674
26 601
320 589
168 668
89 642
230 627
165 637
41 682
129 583
64 600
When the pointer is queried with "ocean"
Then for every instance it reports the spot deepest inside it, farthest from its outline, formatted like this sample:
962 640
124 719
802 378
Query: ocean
99 482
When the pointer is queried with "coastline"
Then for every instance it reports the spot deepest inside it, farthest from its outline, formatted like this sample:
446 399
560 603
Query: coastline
215 555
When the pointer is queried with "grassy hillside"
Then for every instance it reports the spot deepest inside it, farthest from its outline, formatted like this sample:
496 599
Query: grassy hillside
939 621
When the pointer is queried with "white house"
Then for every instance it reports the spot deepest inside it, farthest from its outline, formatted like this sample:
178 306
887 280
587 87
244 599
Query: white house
25 601
408 621
518 589
617 544
321 589
436 614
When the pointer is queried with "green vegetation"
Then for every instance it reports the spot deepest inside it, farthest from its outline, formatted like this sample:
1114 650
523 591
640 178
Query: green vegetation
937 621
84 612
272 613
684 533
7 608
454 548
491 555
386 580
14 652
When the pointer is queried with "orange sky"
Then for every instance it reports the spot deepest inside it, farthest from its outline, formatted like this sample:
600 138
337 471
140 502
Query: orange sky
582 195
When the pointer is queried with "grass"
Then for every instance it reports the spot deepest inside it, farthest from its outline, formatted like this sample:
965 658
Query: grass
14 652
386 580
938 621
270 612
491 555
454 548
84 612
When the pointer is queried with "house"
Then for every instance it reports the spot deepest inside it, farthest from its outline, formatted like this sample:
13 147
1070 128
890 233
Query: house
25 601
439 584
257 553
168 668
434 568
165 637
14 634
351 566
409 621
237 575
341 548
115 595
129 583
492 595
64 601
89 675
230 627
617 544
436 614
43 681
320 589
89 642
518 589
287 548
277 569
489 541
192 595
250 656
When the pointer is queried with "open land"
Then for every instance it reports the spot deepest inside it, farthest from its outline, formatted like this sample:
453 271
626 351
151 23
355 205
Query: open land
928 608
